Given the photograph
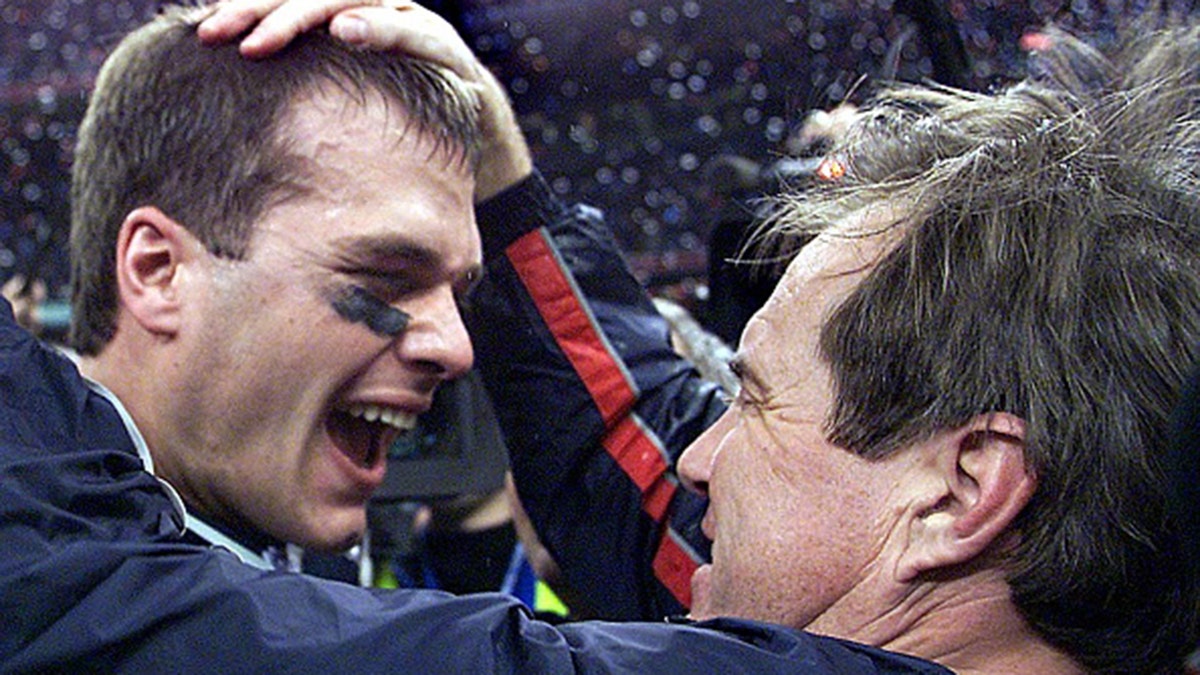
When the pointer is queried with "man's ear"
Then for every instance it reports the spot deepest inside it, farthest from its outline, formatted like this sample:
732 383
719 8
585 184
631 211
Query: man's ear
973 486
151 248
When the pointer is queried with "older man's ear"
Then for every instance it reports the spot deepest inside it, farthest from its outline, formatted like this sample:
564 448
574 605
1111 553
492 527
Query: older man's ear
973 484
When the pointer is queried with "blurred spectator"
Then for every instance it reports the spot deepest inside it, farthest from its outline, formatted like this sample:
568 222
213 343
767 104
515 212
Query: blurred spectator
25 298
622 109
737 287
708 352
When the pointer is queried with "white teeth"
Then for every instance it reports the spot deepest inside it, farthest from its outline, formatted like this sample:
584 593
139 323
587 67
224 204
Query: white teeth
393 418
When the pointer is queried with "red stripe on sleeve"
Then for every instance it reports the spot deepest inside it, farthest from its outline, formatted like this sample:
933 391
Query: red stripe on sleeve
674 568
656 500
637 456
626 442
570 324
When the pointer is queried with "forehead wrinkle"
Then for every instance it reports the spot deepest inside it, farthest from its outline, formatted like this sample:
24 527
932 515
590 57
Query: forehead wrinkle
326 122
818 281
324 117
337 100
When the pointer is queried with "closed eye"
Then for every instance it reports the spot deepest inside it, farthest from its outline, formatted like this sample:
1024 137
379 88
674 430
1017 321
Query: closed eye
389 267
388 286
749 385
737 366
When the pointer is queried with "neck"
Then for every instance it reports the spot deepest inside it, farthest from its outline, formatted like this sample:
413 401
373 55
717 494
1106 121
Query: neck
972 626
249 542
104 370
250 545
131 382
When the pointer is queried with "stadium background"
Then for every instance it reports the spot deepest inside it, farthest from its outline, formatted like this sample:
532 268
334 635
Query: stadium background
625 102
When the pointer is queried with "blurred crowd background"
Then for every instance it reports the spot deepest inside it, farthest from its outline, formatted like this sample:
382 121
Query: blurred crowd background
626 102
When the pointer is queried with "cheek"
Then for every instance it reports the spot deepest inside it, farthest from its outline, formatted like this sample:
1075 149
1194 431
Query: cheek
757 495
793 502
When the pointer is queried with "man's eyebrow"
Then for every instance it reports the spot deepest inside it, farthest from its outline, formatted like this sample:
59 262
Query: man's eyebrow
381 248
384 249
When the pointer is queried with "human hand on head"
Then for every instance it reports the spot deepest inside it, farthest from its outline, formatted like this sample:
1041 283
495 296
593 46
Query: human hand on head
266 26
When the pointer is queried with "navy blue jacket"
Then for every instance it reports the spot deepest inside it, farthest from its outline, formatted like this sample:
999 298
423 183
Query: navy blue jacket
94 577
595 404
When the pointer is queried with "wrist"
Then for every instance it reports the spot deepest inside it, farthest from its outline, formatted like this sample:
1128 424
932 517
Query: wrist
505 159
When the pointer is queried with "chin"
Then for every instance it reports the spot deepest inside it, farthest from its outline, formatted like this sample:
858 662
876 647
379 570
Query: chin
335 534
333 543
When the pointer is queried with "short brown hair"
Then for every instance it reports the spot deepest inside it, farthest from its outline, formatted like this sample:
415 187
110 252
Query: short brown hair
196 131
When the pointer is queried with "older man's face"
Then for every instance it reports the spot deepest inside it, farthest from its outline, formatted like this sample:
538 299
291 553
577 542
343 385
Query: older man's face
800 526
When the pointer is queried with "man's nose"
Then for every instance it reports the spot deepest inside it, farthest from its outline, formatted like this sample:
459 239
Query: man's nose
695 465
436 337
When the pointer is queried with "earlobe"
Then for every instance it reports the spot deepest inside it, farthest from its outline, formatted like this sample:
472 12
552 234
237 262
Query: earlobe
981 484
151 247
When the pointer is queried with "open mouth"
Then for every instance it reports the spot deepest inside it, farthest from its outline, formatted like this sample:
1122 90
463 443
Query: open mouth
365 432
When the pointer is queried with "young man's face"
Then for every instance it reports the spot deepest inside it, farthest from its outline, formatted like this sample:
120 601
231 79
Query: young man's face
799 525
299 378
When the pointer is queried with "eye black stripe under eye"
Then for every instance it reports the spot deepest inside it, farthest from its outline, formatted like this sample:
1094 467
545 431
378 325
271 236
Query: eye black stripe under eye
358 305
